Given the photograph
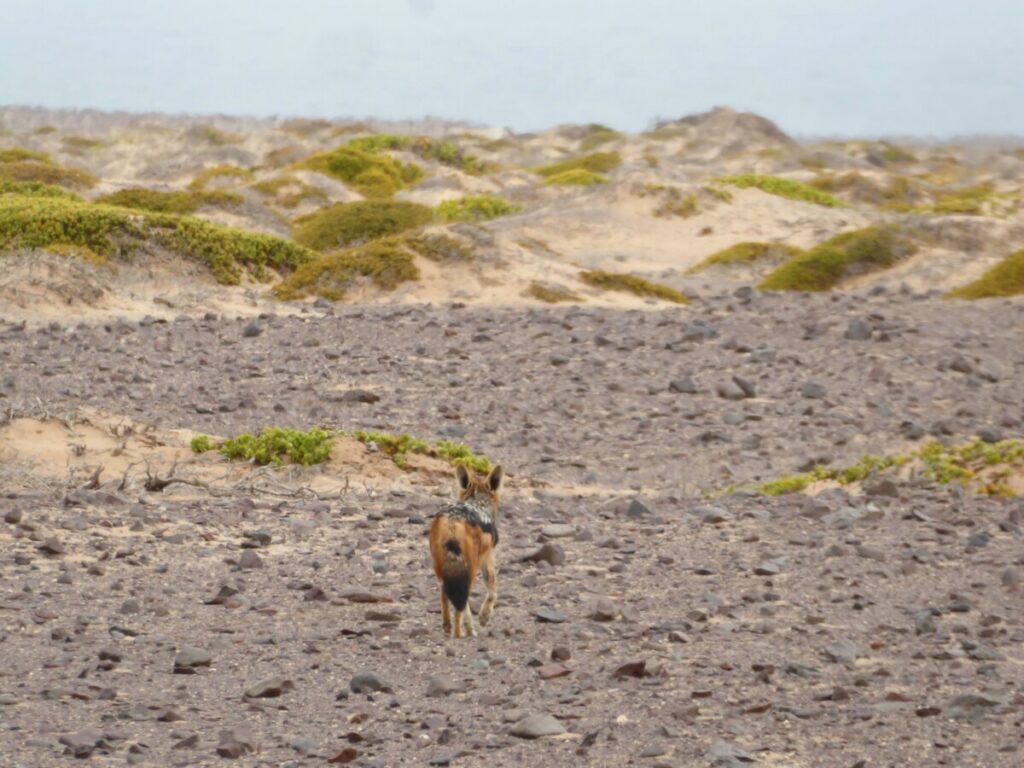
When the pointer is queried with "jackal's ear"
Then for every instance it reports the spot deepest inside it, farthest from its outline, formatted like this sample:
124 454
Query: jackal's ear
494 478
462 475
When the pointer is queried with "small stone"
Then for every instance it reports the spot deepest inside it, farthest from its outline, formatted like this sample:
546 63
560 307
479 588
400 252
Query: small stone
270 688
250 560
236 742
602 609
536 727
441 685
190 658
558 530
813 390
842 651
560 653
368 682
552 554
12 516
550 616
252 330
858 330
729 390
684 386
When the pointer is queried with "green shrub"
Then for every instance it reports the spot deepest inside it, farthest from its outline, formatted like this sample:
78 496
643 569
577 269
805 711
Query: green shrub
82 143
34 169
437 247
371 174
181 201
598 162
1004 279
675 203
109 231
214 136
746 253
35 189
345 224
475 208
201 444
599 135
398 447
775 185
893 154
207 175
379 142
826 264
551 294
446 153
613 281
575 178
15 154
274 444
388 263
975 200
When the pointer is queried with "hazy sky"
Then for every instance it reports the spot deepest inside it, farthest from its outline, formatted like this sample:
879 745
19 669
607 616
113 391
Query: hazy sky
932 67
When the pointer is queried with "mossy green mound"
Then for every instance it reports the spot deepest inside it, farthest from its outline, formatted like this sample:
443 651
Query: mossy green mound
599 135
595 163
787 188
272 445
898 191
22 165
372 174
746 253
977 465
975 200
387 263
16 154
207 175
614 281
1004 279
439 247
181 201
35 189
851 253
346 224
575 178
109 231
551 294
475 208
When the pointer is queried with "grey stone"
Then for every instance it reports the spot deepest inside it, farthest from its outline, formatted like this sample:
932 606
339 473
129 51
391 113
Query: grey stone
813 390
536 727
368 682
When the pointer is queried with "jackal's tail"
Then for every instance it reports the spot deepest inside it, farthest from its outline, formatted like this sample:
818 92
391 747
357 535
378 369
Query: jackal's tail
455 575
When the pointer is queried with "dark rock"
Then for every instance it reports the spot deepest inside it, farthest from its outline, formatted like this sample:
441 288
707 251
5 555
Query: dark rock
368 682
549 553
684 386
813 390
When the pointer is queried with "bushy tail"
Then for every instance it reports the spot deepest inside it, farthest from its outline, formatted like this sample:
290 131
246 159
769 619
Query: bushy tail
455 576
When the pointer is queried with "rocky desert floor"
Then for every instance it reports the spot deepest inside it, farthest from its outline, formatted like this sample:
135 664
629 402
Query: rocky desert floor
656 620
656 606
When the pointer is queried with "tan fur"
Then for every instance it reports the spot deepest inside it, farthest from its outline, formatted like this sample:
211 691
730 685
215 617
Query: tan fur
476 549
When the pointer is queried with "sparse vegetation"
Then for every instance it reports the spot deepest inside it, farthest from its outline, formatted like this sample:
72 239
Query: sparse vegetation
180 201
776 185
288 191
747 253
82 143
983 466
596 163
666 133
551 294
398 447
22 165
475 208
207 175
675 203
614 281
35 189
897 192
439 247
387 263
575 178
212 136
599 135
1004 279
272 445
840 257
346 224
109 231
893 154
975 200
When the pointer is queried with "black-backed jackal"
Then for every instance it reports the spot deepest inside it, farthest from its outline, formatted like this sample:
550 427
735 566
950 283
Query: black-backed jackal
462 540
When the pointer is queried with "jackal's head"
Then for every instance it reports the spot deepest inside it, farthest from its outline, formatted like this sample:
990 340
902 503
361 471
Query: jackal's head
479 488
